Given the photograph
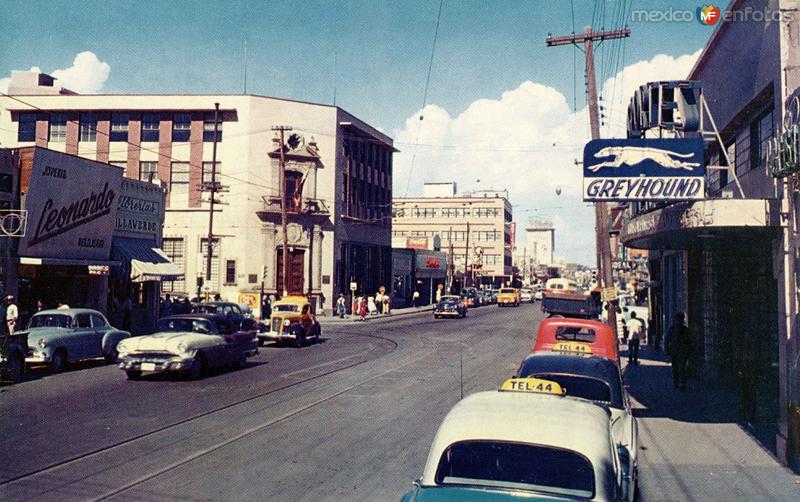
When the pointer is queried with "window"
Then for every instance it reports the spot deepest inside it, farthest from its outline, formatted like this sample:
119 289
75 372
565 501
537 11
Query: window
148 170
58 127
230 271
181 126
293 190
119 127
208 127
179 184
252 278
88 129
27 127
6 183
98 321
207 174
150 124
173 248
760 134
83 321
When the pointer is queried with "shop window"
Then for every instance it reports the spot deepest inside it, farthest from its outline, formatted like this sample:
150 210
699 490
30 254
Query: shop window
181 126
150 125
119 127
208 128
88 127
6 183
148 170
58 127
230 271
174 249
179 184
27 127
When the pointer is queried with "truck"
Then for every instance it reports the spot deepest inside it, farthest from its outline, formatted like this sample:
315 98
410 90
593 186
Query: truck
13 350
584 306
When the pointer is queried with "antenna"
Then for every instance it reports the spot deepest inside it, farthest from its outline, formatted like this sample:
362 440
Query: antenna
244 67
334 77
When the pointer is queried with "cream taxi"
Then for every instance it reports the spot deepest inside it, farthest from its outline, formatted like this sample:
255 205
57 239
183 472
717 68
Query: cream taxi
527 441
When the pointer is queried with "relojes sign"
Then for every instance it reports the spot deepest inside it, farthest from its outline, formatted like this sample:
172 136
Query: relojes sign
643 169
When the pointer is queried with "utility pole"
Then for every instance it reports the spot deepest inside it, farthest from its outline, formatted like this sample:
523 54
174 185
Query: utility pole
282 181
601 212
210 240
450 263
466 258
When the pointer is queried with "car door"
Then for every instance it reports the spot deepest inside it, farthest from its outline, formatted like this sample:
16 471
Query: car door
83 344
228 351
101 327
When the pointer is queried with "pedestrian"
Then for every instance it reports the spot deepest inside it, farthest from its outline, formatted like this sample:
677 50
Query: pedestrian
217 298
634 327
341 308
371 306
62 306
362 308
12 314
679 346
166 306
39 305
439 293
414 298
127 312
266 309
186 308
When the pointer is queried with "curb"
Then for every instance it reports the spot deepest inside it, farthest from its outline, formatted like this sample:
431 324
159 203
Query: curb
385 317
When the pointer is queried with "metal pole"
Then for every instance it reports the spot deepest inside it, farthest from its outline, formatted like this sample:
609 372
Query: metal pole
210 240
466 257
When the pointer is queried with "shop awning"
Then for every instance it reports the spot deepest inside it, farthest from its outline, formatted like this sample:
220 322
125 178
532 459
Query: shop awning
683 225
67 262
144 261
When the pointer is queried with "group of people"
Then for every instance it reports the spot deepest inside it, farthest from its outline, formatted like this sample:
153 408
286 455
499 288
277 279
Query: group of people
174 306
363 305
679 346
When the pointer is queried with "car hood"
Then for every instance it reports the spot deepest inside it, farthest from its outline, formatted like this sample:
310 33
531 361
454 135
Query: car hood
169 341
46 333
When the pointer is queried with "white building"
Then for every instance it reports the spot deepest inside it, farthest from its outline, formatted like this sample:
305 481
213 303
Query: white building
338 181
540 241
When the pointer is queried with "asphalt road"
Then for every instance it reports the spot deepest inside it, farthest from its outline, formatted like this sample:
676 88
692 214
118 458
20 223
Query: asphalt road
348 419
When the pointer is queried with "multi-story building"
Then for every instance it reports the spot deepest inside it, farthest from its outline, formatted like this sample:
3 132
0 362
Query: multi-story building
474 230
337 182
540 241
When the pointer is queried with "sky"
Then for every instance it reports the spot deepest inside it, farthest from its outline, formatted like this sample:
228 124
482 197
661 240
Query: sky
502 110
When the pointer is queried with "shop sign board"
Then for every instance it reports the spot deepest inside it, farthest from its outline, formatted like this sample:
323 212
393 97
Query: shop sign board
643 169
71 204
429 262
140 210
249 299
417 243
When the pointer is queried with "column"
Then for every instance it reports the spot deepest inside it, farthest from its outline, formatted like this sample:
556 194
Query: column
316 284
268 231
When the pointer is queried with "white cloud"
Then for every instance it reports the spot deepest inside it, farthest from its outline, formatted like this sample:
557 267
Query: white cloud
87 75
526 141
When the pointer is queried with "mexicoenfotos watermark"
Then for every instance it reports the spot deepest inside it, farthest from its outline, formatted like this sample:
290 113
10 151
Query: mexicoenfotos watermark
709 15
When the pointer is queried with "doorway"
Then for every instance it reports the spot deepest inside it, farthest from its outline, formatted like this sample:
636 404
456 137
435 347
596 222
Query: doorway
295 276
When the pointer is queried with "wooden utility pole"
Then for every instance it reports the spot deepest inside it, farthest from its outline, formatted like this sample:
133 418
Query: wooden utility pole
588 37
282 181
466 258
213 190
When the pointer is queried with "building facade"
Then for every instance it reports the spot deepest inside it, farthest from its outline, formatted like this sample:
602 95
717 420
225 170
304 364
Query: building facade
729 261
336 185
540 242
474 231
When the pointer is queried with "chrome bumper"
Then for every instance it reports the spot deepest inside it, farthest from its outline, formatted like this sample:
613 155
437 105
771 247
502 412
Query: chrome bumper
272 335
159 364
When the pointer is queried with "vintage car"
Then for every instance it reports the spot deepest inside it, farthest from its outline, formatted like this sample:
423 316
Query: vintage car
284 323
527 441
235 314
577 335
60 336
508 297
188 344
13 350
526 295
538 292
596 379
450 306
471 296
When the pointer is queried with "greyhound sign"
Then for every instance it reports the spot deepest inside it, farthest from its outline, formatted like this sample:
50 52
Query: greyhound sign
643 169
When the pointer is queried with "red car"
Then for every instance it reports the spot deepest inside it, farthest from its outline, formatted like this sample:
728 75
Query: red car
577 335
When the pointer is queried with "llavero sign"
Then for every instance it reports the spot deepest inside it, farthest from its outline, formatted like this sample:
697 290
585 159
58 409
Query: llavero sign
643 169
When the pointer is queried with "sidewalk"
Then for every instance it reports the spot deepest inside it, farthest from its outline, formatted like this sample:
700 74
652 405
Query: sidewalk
693 446
348 319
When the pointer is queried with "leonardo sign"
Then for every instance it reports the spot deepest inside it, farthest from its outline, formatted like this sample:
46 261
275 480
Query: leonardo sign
643 169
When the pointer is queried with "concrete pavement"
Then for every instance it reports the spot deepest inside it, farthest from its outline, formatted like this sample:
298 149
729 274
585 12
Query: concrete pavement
693 448
348 319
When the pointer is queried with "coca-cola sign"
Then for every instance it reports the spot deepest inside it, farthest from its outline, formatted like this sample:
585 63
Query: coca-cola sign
71 205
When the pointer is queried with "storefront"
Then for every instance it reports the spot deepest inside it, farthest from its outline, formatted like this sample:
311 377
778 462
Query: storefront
402 273
430 270
64 254
136 245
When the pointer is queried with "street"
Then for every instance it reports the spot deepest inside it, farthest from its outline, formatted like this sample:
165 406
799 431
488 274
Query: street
350 418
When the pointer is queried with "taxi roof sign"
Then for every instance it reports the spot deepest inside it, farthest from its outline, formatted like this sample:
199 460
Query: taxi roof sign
575 347
533 385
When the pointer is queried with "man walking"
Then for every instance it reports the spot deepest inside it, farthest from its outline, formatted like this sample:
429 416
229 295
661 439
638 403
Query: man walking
679 346
634 327
11 314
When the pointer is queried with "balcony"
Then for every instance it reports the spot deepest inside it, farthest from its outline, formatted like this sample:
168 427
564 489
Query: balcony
298 209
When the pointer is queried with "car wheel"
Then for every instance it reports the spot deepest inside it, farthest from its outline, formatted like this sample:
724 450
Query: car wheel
60 361
112 356
15 366
299 339
133 374
317 333
198 365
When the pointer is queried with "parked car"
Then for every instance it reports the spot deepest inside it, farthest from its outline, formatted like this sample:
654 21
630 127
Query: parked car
526 295
508 297
596 379
450 306
13 350
577 335
187 343
527 439
284 324
471 297
232 311
61 336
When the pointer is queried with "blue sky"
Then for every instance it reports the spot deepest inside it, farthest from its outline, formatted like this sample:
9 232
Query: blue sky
383 49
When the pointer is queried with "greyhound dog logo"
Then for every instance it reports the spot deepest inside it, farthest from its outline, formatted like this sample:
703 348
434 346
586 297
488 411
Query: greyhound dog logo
632 155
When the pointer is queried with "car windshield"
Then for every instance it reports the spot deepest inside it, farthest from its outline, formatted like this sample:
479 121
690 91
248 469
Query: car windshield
207 309
575 334
49 321
451 299
578 386
193 325
286 308
516 465
506 291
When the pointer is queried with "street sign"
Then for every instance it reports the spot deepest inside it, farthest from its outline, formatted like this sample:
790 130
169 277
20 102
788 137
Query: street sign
643 169
206 288
353 286
608 294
